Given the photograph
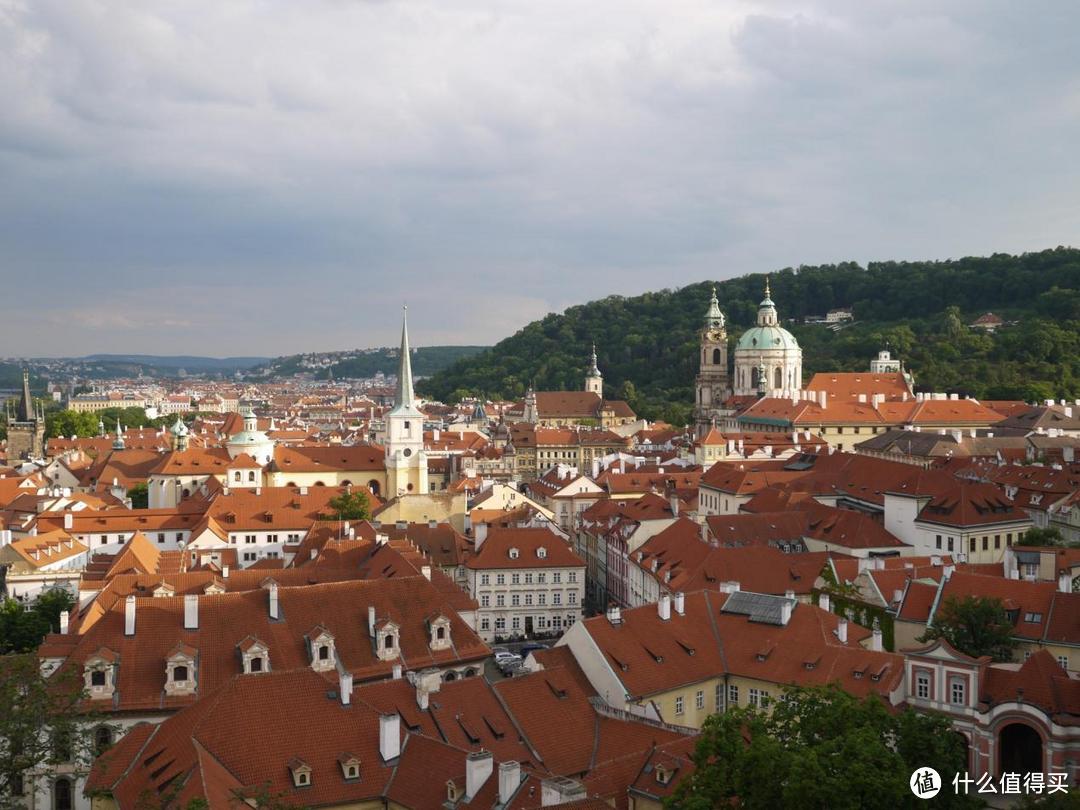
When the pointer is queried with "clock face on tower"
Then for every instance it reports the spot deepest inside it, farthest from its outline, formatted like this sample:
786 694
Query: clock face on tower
714 334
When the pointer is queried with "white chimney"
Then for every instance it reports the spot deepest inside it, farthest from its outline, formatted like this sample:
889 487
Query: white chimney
425 570
1064 582
65 619
679 603
824 602
663 607
480 534
509 781
789 594
862 399
614 614
875 639
935 560
396 672
786 607
823 398
191 611
129 615
841 630
729 587
389 736
345 688
478 767
371 620
224 572
897 595
275 613
674 501
69 521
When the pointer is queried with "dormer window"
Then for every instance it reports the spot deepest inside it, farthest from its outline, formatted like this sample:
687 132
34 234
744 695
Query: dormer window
99 674
541 552
513 554
180 671
321 649
439 627
453 793
301 773
387 640
663 775
350 766
255 655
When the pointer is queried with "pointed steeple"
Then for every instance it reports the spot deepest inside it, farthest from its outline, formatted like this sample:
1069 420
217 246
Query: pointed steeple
404 398
118 442
594 370
26 405
714 318
766 315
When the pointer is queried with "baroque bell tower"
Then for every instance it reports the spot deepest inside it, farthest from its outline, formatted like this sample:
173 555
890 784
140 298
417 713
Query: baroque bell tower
713 387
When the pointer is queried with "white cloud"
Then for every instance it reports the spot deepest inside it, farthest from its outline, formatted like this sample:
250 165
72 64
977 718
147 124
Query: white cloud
352 154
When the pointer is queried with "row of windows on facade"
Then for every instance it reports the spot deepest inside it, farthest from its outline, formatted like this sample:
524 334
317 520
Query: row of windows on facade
516 623
973 542
516 599
527 578
755 697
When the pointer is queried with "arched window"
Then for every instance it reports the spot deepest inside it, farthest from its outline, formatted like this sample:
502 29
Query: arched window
324 652
440 633
388 641
779 378
103 738
180 673
62 794
755 376
251 476
373 485
716 358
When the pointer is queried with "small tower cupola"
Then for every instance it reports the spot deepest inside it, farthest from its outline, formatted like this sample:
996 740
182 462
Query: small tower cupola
594 381
118 442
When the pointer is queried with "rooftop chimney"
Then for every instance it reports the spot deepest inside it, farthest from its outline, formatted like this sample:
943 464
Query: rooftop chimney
191 611
129 615
426 571
389 736
614 614
69 521
1064 582
478 767
65 618
875 639
224 572
371 620
509 780
729 587
275 613
396 672
786 607
824 602
345 688
841 630
679 603
663 607
674 501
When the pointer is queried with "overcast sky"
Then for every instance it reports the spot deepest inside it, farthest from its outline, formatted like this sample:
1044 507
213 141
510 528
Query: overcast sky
229 177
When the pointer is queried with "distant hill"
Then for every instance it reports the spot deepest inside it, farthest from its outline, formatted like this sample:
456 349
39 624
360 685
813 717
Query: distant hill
647 344
363 363
180 361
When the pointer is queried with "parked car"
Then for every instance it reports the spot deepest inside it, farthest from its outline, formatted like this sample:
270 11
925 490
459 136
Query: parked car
507 664
502 655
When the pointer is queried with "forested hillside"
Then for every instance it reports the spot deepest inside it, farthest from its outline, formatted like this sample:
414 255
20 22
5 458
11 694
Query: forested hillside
647 344
426 360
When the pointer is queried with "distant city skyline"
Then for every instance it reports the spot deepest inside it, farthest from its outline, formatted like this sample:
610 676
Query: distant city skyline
279 178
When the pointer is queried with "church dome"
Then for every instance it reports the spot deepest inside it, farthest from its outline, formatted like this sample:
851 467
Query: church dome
757 338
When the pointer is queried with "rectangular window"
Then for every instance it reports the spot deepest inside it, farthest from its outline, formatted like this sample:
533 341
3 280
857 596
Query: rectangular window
500 623
572 597
956 692
500 600
161 537
500 579
556 598
699 699
1063 661
679 705
485 623
179 537
971 545
997 541
556 578
515 623
753 696
937 541
528 599
528 578
541 578
718 697
541 598
986 543
485 579
515 600
572 577
485 601
515 579
733 695
922 686
1009 539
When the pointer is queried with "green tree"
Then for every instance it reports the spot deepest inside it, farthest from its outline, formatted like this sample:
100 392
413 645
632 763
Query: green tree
352 505
819 747
71 423
140 496
1037 536
22 629
974 625
41 723
51 603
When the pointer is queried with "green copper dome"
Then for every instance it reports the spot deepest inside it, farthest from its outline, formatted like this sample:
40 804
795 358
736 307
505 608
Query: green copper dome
767 337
